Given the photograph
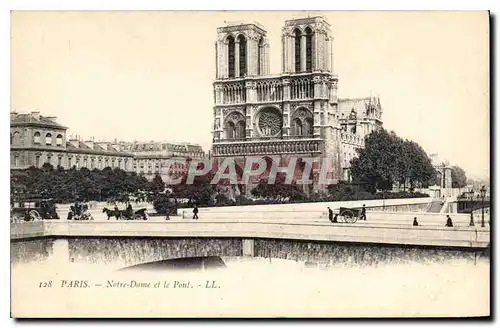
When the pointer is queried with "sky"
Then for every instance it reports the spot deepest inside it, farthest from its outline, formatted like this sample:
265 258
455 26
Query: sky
148 75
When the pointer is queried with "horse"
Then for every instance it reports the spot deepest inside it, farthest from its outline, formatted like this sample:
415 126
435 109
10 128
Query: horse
116 213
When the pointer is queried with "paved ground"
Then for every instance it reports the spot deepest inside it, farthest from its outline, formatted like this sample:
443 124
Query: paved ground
374 219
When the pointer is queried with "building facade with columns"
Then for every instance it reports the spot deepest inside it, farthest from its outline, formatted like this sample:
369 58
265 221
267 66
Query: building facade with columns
36 140
295 113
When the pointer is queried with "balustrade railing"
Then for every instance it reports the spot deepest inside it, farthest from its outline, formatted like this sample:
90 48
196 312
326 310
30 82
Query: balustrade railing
232 93
301 89
264 90
257 147
352 138
269 90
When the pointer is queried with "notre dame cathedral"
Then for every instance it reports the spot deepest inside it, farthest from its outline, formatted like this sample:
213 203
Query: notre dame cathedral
295 113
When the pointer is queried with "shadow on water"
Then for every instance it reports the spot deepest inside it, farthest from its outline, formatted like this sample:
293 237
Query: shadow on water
179 264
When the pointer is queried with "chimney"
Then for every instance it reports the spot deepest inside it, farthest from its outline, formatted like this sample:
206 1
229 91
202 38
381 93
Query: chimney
35 115
51 118
74 142
104 144
115 146
89 143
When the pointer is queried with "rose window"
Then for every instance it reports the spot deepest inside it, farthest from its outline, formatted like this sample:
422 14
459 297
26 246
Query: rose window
270 122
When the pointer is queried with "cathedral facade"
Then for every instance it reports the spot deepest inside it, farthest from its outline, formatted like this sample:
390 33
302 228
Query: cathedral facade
296 113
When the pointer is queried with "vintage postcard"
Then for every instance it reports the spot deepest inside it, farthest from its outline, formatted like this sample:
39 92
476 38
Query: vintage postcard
205 164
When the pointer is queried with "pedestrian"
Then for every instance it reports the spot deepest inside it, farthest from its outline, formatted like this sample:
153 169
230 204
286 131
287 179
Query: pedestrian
195 212
449 222
415 223
471 222
363 213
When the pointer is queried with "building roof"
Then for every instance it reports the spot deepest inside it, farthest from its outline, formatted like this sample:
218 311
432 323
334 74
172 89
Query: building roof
360 106
306 20
159 146
80 147
34 118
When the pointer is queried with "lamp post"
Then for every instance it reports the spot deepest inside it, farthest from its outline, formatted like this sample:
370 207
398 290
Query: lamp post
483 194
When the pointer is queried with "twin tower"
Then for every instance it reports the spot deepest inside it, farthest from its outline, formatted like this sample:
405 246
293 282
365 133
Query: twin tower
243 49
292 114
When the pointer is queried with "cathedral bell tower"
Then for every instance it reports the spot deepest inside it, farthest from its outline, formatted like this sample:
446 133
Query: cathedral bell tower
242 49
307 45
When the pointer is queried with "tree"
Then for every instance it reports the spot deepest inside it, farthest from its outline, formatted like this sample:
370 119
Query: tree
376 164
163 204
279 190
458 177
201 191
65 185
157 185
420 171
387 159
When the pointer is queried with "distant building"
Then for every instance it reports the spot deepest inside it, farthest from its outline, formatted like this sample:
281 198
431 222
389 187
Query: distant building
443 169
37 139
151 158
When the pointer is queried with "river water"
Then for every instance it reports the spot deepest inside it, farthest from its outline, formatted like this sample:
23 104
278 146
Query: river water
258 287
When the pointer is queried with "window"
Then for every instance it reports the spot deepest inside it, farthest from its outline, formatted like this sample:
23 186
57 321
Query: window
16 161
230 56
15 138
240 133
37 161
243 55
36 138
230 130
59 161
48 139
308 127
59 140
297 50
297 127
259 56
308 32
49 159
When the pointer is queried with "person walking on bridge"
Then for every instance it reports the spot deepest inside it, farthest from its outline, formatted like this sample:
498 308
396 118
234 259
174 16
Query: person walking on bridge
195 212
449 222
363 213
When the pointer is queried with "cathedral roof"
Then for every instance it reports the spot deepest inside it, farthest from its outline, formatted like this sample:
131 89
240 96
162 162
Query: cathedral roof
357 105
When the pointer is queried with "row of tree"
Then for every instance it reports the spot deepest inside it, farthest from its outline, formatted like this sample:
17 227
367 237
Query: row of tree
68 185
388 160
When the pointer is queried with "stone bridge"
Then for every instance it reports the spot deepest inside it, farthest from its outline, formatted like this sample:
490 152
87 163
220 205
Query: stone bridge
121 243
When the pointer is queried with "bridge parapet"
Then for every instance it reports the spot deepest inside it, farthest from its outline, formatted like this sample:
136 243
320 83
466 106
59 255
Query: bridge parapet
421 235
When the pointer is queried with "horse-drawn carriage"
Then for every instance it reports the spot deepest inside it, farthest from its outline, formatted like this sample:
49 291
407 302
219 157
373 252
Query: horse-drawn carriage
140 214
348 215
34 208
